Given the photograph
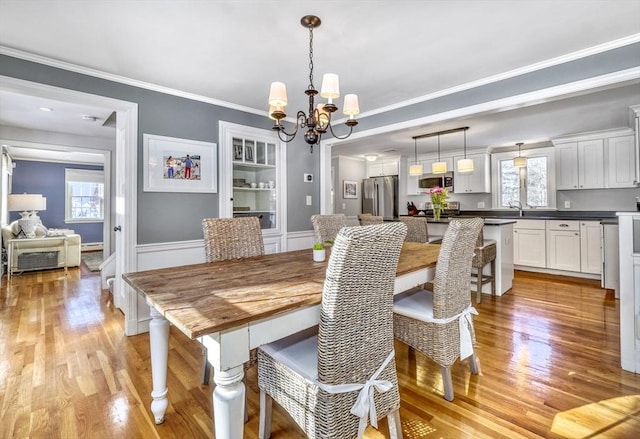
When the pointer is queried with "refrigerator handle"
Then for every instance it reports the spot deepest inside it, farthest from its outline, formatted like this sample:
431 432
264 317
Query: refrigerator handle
375 199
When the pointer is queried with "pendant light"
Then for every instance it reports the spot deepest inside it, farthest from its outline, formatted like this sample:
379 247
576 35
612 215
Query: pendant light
439 167
520 162
416 169
465 165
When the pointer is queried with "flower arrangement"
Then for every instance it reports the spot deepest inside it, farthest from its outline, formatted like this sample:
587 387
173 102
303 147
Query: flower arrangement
438 199
438 196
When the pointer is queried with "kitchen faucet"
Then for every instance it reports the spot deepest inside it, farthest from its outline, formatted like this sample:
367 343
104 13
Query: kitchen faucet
516 205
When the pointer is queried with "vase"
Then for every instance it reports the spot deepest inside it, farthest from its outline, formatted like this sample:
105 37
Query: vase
437 209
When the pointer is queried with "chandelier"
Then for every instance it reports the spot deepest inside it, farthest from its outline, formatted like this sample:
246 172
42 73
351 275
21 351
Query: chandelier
318 119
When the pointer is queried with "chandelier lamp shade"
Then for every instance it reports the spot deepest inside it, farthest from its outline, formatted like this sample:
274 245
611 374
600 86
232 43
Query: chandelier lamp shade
415 169
439 167
465 165
520 162
317 120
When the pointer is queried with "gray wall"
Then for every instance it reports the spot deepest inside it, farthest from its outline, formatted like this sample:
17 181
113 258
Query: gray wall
347 168
48 179
172 116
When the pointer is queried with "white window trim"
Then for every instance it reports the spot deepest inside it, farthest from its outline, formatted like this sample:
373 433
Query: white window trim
547 152
81 175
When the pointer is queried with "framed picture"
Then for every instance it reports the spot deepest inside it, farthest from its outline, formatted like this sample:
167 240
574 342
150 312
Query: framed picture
179 165
349 189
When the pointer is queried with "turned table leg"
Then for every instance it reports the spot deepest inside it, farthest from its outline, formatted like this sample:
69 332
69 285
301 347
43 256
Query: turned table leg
159 343
228 402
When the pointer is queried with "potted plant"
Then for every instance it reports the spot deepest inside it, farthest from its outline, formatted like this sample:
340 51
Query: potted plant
319 253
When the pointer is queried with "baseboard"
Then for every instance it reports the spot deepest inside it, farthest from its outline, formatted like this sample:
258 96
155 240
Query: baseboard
91 246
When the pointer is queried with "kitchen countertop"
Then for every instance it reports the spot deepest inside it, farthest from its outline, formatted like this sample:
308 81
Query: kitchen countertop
487 221
492 217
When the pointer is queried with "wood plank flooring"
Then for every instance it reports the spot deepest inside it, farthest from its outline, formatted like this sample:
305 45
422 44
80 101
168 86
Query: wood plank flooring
549 352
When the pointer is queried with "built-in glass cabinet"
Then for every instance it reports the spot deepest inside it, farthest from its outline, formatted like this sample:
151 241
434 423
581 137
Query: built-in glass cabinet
255 179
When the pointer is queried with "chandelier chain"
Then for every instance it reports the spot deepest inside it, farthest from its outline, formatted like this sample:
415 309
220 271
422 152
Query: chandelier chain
311 58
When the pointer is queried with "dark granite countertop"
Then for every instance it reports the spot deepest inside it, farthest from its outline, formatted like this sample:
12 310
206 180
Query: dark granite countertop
608 217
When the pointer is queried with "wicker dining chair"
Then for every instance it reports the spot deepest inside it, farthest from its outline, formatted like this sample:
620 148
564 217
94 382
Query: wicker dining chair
326 227
370 220
309 374
485 253
418 229
439 323
230 238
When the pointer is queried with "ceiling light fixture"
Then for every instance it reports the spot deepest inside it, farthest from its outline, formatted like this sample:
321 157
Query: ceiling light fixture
371 157
439 167
318 120
46 109
465 165
415 169
90 118
520 162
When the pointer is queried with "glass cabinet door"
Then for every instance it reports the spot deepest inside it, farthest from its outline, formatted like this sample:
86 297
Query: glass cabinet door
255 180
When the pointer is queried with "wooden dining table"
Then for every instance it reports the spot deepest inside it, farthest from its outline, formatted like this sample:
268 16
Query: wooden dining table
234 306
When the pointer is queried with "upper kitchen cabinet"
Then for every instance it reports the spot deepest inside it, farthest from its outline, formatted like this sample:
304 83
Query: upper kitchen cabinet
413 182
478 181
621 161
597 160
382 168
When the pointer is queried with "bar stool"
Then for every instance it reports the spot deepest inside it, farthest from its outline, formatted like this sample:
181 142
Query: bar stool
485 253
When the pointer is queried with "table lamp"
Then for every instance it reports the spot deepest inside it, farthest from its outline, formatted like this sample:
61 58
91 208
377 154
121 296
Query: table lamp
28 205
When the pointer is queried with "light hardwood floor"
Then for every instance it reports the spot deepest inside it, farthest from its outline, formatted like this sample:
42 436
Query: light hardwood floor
548 349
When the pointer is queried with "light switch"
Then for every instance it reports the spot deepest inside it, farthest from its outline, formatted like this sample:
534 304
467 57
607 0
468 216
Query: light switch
308 200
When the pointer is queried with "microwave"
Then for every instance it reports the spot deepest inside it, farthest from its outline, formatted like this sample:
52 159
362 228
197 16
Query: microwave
429 181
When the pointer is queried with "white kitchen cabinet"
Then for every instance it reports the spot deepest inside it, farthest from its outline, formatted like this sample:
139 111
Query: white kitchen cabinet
529 243
476 182
610 259
590 247
563 245
381 169
580 165
621 160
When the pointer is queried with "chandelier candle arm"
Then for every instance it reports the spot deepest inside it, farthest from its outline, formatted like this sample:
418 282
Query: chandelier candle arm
318 119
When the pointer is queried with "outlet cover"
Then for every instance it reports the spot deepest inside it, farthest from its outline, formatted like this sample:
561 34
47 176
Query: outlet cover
567 204
480 204
308 178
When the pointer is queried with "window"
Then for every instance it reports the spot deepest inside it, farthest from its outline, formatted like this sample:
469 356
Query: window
84 195
531 186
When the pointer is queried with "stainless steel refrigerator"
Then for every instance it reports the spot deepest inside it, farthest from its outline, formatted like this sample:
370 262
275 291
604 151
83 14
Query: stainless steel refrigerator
380 196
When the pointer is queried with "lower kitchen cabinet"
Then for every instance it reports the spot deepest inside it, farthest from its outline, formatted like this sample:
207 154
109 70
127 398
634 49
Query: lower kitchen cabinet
563 245
529 248
590 247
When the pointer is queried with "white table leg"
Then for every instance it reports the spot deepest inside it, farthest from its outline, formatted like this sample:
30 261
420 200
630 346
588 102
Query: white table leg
159 344
228 402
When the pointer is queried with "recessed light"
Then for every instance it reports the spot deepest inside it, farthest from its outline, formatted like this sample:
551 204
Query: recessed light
46 109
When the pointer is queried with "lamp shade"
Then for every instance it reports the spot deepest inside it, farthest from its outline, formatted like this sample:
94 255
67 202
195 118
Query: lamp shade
438 167
520 162
351 107
26 202
330 86
278 94
415 170
465 165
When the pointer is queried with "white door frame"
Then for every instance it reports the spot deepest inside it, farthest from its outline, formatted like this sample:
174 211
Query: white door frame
125 206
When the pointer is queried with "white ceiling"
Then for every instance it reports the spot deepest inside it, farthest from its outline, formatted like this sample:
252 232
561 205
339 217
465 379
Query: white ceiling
387 52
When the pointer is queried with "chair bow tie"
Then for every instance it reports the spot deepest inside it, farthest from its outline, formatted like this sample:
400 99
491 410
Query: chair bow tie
365 405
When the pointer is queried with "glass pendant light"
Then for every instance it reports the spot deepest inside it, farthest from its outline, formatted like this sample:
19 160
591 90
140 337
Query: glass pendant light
439 167
416 169
520 162
465 165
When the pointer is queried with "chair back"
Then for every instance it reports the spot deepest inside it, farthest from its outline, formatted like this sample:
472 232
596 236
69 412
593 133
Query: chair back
326 227
356 320
452 283
232 238
416 228
370 220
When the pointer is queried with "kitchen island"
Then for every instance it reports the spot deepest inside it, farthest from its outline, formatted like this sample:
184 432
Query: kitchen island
499 230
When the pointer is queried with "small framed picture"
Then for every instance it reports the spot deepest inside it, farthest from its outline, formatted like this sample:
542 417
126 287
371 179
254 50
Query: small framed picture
349 189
